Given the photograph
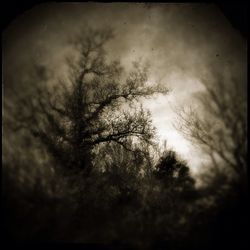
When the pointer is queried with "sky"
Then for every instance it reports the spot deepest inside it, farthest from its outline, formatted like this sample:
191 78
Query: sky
183 43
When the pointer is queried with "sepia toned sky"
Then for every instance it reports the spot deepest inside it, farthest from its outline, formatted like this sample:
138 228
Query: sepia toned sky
182 42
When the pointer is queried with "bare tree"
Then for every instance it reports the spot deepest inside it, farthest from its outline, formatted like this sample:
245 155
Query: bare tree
96 103
219 125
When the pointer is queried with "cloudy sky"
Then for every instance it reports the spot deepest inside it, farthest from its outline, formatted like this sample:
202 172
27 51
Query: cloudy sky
182 42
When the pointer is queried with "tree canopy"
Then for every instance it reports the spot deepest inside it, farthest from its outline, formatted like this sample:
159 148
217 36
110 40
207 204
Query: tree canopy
96 103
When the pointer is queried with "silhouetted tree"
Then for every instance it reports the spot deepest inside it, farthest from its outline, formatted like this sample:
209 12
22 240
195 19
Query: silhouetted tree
219 127
96 103
174 174
220 124
91 123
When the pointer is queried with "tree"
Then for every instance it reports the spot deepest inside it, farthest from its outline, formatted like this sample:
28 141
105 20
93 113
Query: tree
175 175
97 102
219 126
